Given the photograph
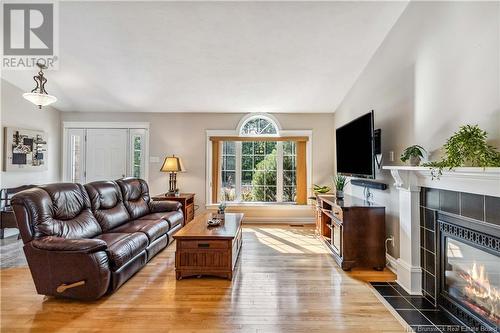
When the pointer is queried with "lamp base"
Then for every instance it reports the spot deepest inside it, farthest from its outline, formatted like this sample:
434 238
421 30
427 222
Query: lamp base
170 193
172 184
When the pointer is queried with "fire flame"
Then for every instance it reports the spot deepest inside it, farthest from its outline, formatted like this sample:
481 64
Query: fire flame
480 291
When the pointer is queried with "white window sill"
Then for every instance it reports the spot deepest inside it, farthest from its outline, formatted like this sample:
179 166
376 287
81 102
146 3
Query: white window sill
261 205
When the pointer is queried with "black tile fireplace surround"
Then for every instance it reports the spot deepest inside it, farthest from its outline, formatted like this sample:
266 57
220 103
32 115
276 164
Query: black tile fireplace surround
460 256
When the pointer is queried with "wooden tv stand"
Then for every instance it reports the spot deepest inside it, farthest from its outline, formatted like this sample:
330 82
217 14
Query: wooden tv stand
353 229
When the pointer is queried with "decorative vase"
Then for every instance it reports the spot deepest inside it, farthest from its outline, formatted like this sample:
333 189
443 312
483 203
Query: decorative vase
414 160
220 215
340 194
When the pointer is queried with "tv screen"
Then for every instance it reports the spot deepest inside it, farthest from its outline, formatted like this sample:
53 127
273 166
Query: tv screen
355 148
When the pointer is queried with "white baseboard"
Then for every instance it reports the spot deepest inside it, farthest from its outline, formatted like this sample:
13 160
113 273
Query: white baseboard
402 271
409 277
278 220
392 263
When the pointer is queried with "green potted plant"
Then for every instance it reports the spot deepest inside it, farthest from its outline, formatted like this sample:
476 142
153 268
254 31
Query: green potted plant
466 147
339 182
413 153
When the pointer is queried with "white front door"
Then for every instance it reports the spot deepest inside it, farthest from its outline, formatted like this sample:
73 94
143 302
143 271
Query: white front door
106 154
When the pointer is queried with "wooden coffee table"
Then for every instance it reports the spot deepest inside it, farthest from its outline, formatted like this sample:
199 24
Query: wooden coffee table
203 250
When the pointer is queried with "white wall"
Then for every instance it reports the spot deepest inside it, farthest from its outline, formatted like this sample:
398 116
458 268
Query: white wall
437 69
183 134
18 112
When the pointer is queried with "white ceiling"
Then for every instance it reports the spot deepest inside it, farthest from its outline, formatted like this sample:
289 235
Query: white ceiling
212 56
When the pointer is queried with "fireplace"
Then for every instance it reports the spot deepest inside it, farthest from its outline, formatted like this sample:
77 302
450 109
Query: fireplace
469 270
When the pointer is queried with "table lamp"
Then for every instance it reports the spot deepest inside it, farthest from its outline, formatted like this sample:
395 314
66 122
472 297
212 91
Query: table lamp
172 164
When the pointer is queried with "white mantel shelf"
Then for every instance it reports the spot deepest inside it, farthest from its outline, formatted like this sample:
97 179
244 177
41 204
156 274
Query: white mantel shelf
409 180
466 179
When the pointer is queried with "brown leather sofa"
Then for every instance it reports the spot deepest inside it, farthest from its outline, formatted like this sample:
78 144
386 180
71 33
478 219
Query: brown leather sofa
83 241
7 218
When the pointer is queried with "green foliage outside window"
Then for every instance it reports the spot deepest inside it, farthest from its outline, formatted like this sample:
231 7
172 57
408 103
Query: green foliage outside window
259 172
264 178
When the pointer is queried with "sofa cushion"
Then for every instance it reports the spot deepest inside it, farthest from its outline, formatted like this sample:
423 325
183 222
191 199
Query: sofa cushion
135 196
122 247
154 229
61 210
107 204
173 218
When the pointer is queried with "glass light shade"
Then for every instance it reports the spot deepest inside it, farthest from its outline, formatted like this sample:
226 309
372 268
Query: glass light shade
172 164
40 99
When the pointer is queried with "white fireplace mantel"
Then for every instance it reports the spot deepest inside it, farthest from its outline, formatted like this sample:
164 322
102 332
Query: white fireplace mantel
409 180
472 180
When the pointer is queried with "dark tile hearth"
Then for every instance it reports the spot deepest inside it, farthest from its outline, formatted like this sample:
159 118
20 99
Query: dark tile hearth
417 311
420 303
399 302
386 290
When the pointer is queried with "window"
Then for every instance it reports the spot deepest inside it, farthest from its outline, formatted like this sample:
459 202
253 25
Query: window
137 153
258 125
258 171
76 157
137 156
258 164
228 175
75 152
289 171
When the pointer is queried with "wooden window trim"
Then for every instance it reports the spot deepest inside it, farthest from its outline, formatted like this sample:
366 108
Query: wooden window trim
216 154
301 173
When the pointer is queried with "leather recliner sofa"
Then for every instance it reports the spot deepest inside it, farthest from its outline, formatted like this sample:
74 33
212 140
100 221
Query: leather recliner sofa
83 241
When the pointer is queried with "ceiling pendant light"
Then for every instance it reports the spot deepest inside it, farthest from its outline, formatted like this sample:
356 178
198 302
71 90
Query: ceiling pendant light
39 96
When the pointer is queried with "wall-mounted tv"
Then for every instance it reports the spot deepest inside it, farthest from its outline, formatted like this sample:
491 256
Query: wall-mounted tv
355 148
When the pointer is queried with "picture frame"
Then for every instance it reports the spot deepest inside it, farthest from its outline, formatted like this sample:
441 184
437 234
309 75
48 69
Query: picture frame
25 149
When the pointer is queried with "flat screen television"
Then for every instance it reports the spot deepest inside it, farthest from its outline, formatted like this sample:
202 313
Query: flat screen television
355 148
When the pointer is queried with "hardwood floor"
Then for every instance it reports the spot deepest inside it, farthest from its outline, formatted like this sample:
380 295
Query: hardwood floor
285 282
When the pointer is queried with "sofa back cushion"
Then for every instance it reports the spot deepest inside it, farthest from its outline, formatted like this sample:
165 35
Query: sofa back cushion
107 204
61 210
135 196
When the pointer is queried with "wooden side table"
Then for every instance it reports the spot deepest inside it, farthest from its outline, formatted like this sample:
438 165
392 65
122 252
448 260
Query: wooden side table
187 201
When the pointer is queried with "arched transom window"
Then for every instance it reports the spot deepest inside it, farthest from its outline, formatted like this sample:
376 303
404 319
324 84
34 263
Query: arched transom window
258 125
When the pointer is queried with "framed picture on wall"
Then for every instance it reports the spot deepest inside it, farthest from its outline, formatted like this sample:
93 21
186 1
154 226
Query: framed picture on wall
25 149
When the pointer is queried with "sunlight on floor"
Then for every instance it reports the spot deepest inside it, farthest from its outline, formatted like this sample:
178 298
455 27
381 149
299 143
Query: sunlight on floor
289 240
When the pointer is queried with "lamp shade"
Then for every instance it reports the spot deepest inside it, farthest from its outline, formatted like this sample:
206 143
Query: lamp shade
172 164
40 99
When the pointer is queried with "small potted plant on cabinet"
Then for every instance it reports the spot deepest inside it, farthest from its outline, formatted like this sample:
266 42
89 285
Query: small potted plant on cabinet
413 153
339 182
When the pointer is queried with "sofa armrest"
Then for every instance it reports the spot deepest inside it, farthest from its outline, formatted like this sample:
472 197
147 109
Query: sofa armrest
164 206
51 243
60 270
